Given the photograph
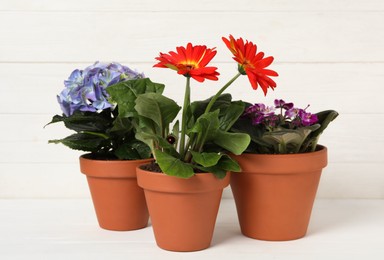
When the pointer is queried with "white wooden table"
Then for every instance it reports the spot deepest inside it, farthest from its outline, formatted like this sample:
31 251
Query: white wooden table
67 229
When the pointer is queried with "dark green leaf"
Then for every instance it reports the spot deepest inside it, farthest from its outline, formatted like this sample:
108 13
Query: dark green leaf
82 142
158 142
325 118
236 143
289 140
244 125
56 119
229 164
158 108
207 125
216 162
126 92
173 166
217 171
206 159
122 125
133 150
86 121
230 114
198 107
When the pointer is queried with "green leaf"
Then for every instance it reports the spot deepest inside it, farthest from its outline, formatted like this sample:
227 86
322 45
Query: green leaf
176 132
56 119
160 142
207 124
231 114
125 93
225 164
217 163
229 164
236 143
325 118
160 109
284 136
86 121
122 125
289 140
82 142
206 159
244 125
217 171
198 107
173 166
133 150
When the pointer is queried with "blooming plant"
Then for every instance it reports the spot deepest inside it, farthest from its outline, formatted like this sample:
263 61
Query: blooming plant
282 128
199 143
91 112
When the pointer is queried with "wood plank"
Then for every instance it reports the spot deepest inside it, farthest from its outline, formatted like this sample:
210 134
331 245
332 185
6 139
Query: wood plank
32 88
197 6
64 180
352 180
67 229
290 37
348 140
38 180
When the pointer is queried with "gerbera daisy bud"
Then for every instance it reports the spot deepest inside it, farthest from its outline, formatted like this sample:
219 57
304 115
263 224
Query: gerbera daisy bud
171 139
241 70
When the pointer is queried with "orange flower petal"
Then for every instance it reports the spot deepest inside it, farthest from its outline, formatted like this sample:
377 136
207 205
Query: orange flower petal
190 61
253 63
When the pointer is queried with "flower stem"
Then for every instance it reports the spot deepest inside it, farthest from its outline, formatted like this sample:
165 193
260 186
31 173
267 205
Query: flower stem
215 97
187 97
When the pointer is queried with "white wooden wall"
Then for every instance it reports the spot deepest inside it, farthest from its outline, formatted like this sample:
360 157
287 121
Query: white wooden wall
329 53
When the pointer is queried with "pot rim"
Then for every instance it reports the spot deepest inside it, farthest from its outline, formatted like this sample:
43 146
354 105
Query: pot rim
161 182
110 168
319 149
283 163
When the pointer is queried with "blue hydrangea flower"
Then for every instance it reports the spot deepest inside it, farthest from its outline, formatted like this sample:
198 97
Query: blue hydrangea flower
85 90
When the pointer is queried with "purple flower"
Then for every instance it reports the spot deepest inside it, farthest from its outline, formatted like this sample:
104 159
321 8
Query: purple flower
307 119
257 119
74 80
272 121
258 113
293 117
279 103
85 90
292 113
260 109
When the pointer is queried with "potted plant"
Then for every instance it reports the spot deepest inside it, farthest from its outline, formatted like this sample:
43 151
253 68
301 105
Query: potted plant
183 187
281 169
113 152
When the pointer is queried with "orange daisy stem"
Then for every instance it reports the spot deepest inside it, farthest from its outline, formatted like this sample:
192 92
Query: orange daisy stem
215 97
187 102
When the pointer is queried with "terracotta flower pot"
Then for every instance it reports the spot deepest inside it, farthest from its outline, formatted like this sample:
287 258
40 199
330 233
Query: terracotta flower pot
119 202
183 211
274 194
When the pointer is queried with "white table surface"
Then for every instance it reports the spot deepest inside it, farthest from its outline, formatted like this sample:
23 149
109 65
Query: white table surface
67 229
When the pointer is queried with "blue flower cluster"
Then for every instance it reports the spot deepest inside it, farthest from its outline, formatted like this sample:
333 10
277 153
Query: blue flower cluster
85 90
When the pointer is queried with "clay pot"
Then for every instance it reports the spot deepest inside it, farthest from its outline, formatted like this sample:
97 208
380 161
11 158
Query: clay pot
183 211
274 194
119 202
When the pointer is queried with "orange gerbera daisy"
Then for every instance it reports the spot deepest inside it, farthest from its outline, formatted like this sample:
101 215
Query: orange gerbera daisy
190 62
251 63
